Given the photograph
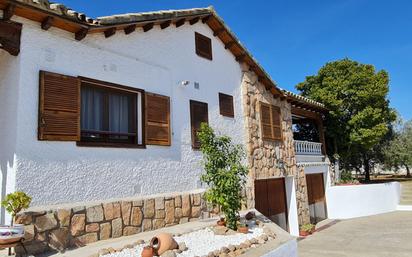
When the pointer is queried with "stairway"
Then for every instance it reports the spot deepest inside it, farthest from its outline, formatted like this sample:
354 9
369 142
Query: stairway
406 193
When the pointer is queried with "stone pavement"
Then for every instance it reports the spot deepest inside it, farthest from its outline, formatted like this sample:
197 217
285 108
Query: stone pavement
384 235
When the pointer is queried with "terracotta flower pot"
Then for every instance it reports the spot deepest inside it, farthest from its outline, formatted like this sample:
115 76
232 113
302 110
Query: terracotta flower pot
303 233
221 222
243 230
148 251
162 243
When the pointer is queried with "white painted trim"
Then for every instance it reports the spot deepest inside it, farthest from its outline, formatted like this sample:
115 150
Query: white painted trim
292 205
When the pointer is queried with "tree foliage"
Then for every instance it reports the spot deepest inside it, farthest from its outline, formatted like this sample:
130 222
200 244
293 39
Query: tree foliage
16 202
360 117
224 173
398 153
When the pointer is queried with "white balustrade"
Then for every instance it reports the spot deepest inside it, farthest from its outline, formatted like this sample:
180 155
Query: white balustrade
308 148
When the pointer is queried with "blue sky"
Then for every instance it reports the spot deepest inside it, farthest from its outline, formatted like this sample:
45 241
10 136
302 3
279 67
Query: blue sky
293 39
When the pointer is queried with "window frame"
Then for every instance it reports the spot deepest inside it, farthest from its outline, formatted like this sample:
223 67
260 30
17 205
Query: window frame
223 112
138 119
192 119
272 125
199 37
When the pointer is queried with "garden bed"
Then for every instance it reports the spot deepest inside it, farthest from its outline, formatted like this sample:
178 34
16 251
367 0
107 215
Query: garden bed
209 241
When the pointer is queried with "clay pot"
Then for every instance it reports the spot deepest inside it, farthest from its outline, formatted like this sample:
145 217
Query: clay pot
250 215
303 233
162 243
243 230
221 222
148 251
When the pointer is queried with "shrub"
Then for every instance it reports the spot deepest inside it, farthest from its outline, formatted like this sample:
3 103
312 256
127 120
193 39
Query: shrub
16 202
307 227
224 173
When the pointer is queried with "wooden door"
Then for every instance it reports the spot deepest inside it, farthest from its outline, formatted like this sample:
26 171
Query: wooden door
270 200
316 197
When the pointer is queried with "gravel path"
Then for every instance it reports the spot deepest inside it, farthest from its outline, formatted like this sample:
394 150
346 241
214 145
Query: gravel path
199 242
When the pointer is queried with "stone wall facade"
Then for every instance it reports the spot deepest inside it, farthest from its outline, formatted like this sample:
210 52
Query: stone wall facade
61 228
270 159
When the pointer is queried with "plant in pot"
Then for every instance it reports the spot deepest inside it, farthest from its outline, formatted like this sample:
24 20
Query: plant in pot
14 203
243 228
306 229
224 174
221 222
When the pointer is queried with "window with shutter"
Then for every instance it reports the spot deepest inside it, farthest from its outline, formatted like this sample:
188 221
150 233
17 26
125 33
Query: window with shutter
198 115
157 119
59 107
226 105
111 114
203 46
270 121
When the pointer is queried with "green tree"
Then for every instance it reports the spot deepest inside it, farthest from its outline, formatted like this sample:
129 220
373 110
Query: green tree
360 117
224 173
398 153
16 202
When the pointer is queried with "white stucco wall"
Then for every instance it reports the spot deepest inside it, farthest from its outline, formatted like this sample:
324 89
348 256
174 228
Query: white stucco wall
9 84
344 202
156 61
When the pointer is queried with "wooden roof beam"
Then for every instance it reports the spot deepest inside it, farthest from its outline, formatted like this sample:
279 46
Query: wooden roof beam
218 32
194 21
47 23
130 29
148 26
206 19
109 32
165 24
8 12
229 44
240 58
81 34
180 22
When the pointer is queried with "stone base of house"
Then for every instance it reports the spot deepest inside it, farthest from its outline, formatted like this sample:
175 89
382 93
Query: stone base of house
62 227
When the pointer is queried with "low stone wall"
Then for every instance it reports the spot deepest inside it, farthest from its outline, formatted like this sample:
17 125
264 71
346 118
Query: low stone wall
65 227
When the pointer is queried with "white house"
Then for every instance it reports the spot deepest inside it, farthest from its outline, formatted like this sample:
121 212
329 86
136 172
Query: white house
99 118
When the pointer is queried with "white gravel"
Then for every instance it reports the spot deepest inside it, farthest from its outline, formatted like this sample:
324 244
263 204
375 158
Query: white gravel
199 242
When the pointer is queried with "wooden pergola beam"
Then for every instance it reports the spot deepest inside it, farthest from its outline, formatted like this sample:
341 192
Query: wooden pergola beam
165 24
130 29
9 12
148 26
194 21
109 32
47 23
180 22
81 34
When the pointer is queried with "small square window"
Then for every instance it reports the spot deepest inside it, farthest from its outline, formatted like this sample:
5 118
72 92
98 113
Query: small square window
203 46
226 105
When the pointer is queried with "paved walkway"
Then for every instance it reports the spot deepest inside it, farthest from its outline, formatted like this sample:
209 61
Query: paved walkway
385 235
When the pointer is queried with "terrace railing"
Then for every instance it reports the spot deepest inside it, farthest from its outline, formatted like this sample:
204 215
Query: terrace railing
308 148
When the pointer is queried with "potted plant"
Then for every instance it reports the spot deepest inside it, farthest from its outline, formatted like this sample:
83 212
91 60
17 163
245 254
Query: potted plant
306 229
243 228
14 203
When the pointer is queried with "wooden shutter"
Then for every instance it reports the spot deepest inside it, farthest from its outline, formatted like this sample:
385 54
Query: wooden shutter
226 105
157 119
270 121
59 107
198 115
276 123
10 34
265 121
203 46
